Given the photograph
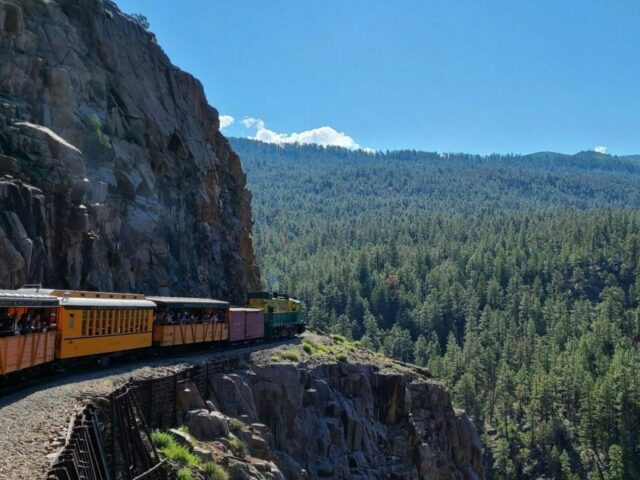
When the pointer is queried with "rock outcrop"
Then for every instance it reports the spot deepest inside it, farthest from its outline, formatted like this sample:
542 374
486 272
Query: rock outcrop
365 418
116 176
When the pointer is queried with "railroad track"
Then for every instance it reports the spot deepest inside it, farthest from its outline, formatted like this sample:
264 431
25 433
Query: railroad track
39 377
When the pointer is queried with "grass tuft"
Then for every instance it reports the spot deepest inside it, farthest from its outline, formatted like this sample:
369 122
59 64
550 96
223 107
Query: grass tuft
181 454
213 471
184 474
238 446
162 439
291 355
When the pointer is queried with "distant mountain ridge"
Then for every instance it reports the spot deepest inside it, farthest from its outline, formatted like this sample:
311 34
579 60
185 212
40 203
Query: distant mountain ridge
440 181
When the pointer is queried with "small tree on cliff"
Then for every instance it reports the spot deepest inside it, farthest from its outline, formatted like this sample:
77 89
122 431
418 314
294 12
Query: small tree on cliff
140 20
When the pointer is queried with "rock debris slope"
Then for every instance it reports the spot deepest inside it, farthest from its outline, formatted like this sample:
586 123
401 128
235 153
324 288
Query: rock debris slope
118 175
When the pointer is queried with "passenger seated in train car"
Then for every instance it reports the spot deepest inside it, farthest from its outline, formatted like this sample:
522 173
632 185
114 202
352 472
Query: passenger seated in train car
220 317
52 322
6 323
25 323
16 325
36 326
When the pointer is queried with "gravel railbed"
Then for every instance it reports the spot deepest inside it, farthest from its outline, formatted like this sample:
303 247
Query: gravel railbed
34 421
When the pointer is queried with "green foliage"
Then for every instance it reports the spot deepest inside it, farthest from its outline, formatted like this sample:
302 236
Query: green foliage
291 355
170 448
213 471
162 439
514 280
181 454
315 349
342 357
338 338
141 20
99 143
238 446
184 474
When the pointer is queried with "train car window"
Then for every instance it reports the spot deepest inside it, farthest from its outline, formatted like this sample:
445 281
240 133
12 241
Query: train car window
84 322
70 321
103 321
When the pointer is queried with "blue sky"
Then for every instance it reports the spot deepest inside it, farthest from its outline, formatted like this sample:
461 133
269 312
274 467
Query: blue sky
474 76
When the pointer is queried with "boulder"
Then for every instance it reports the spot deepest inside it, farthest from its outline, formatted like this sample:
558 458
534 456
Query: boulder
205 425
188 397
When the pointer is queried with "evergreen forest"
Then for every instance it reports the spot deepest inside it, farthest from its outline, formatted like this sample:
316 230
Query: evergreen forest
514 279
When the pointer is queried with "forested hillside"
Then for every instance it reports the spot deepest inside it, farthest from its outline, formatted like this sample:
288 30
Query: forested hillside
514 279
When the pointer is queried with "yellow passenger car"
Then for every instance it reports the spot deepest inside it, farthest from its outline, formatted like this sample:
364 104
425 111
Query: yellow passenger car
98 323
184 321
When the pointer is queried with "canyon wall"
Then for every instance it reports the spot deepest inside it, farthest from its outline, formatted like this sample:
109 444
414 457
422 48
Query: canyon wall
113 172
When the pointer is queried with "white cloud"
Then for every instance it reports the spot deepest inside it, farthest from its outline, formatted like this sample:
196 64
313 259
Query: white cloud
250 122
226 121
325 136
600 149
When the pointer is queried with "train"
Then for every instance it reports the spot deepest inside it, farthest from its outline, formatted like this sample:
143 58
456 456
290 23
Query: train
53 328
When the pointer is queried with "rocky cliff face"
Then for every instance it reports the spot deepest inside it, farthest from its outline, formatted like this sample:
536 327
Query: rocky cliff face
118 175
361 418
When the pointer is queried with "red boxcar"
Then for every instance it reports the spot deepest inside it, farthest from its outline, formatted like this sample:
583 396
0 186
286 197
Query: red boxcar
245 324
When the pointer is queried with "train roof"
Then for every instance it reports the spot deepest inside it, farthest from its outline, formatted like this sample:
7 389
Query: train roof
62 293
16 298
188 302
105 302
